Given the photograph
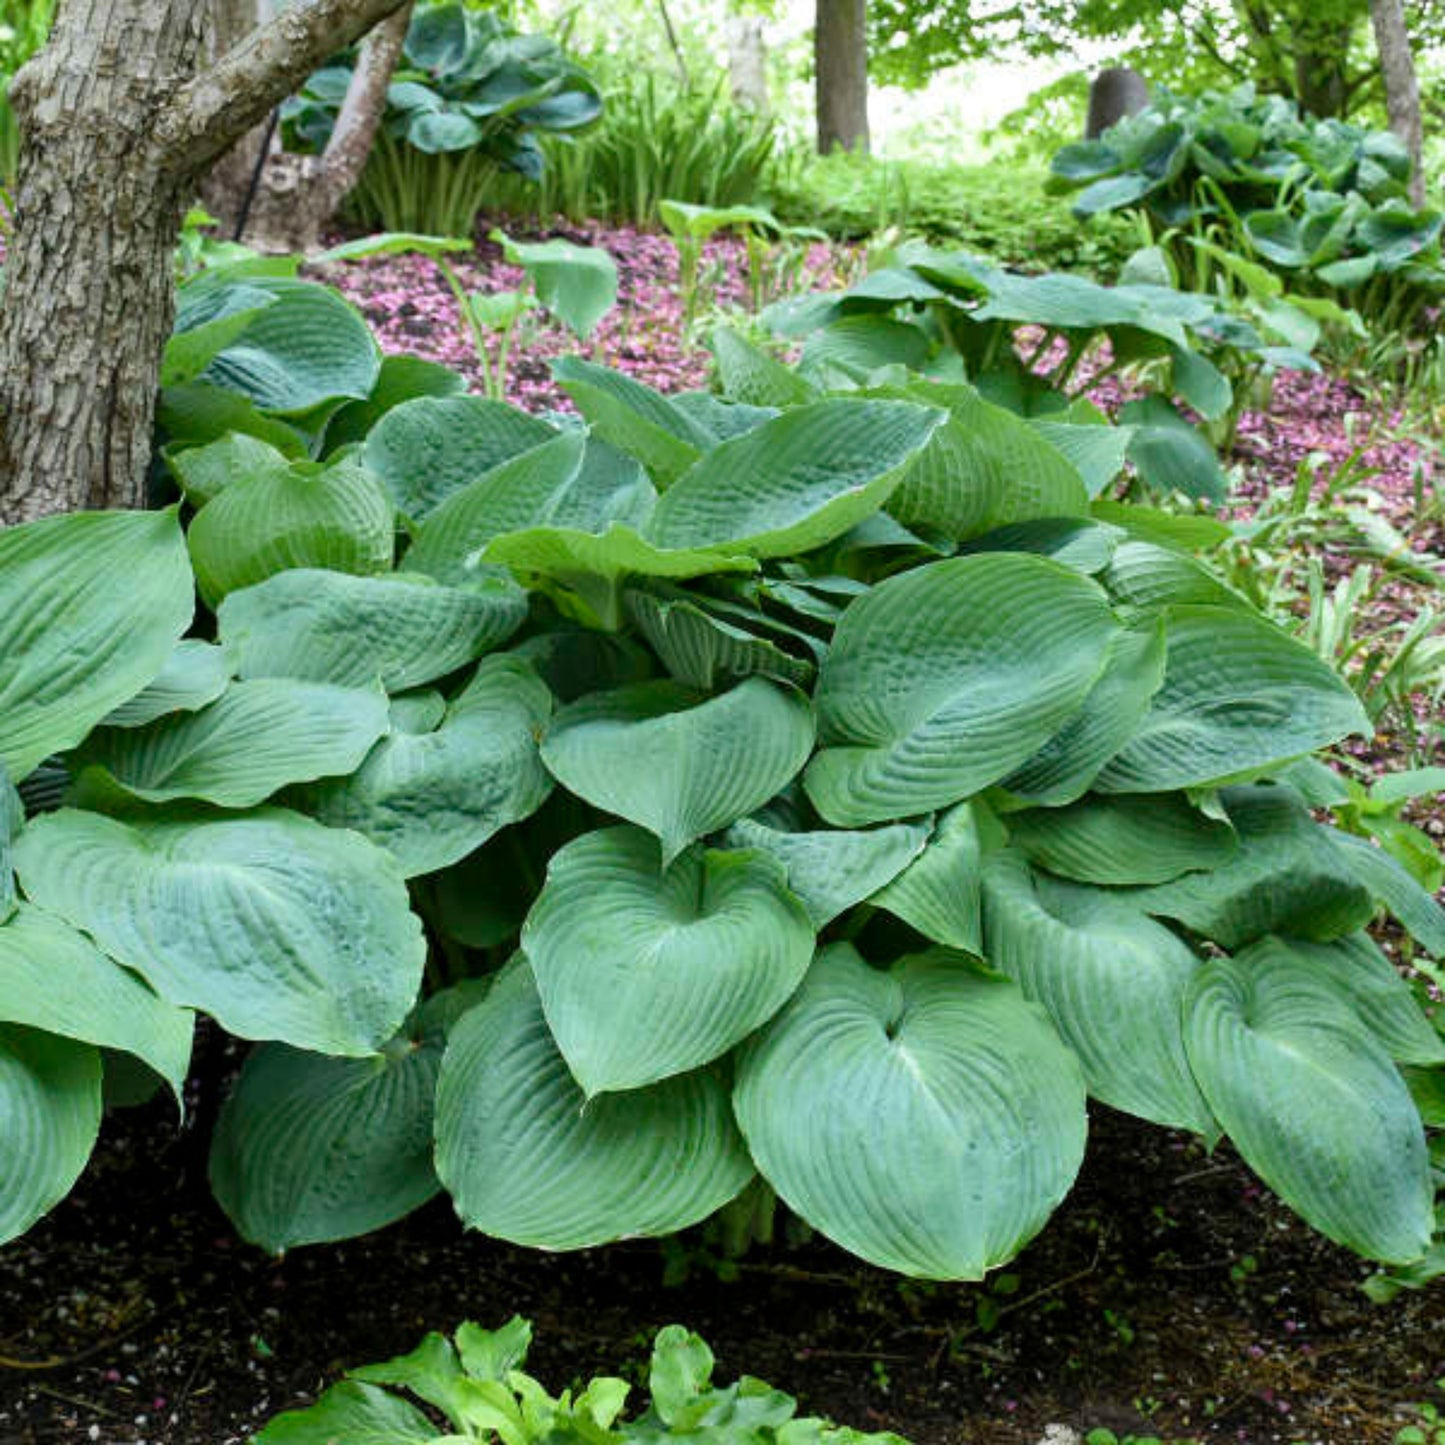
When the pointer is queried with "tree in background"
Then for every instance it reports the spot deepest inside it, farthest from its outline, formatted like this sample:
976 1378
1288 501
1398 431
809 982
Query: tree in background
118 120
840 57
1402 89
1316 51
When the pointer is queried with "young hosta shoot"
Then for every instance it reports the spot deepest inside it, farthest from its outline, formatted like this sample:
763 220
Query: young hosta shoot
812 793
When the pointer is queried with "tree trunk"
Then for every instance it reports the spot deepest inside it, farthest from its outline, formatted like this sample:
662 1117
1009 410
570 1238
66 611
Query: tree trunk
225 187
748 63
840 56
1321 62
1402 88
1114 94
116 125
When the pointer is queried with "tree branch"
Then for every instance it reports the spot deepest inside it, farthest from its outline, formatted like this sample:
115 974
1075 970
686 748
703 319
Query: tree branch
218 106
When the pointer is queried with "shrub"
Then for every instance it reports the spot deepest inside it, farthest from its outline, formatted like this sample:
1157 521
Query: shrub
1001 211
467 104
1323 202
592 818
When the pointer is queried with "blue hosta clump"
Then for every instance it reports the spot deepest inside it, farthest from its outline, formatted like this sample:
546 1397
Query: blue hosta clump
807 788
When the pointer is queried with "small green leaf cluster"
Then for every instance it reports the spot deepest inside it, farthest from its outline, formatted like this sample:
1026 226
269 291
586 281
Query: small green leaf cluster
467 86
1324 202
593 815
476 1382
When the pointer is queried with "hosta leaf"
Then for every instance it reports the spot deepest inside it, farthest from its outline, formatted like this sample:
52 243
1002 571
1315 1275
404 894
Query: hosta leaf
984 469
704 651
1390 884
432 792
646 972
427 449
205 472
49 1117
1286 877
357 1413
795 482
529 1159
1377 995
1169 454
1122 840
401 628
195 414
1238 694
310 1148
53 978
677 764
401 379
940 892
1144 574
577 284
569 481
749 375
1111 978
927 1119
195 674
206 324
335 517
1311 1101
720 418
278 927
1078 543
633 417
91 605
1096 452
1067 765
309 348
830 870
253 740
943 680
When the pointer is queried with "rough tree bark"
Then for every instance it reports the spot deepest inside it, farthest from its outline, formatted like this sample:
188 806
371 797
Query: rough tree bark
117 123
1402 88
748 63
1114 94
840 59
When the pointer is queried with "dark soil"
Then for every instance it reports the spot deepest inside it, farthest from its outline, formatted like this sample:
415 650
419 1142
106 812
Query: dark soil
1170 1296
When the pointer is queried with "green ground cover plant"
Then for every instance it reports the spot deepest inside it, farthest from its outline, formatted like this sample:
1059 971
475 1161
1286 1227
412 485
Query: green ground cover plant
468 103
475 1381
719 797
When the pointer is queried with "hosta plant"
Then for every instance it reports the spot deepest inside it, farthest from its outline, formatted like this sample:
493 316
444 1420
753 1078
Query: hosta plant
609 818
1324 203
475 1381
468 103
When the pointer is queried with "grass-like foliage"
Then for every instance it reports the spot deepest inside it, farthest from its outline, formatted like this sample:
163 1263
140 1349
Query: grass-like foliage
805 788
1322 202
475 1382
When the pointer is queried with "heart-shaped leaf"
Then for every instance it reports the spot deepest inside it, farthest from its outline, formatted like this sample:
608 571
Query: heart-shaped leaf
529 1159
194 674
678 764
646 972
927 1119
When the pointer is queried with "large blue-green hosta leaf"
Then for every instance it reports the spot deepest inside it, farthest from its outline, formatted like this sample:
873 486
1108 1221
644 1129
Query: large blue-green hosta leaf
357 1413
678 764
529 1159
427 449
194 674
1312 1101
1238 695
1286 876
927 1119
278 927
1391 884
310 1148
402 629
943 680
50 1109
54 978
309 348
438 787
334 516
646 972
1111 978
91 605
257 737
797 481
